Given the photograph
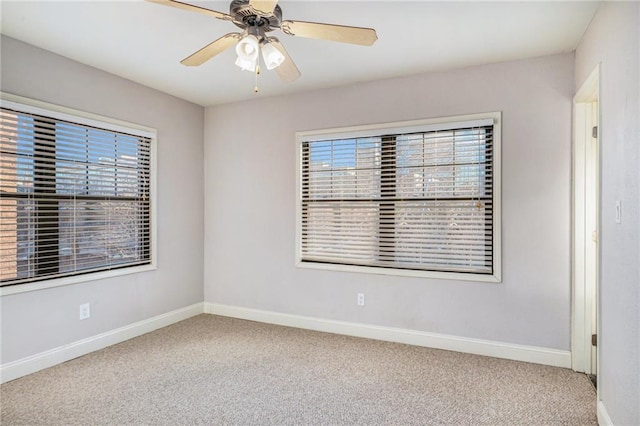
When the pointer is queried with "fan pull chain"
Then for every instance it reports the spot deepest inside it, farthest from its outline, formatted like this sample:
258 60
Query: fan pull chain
255 89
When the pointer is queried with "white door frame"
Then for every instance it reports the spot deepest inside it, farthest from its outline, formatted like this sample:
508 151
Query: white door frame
586 217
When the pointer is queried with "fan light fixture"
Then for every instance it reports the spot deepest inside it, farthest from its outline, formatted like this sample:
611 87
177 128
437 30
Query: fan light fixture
272 56
247 49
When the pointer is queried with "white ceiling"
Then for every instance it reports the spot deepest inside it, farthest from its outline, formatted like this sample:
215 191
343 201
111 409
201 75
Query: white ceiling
145 42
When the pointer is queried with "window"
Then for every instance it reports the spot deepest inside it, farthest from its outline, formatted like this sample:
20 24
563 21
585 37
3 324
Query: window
414 198
75 195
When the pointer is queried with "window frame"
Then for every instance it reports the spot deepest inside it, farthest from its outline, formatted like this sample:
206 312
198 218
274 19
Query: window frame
58 112
423 125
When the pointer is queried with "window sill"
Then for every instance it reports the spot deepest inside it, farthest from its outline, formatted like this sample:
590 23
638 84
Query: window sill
495 278
78 279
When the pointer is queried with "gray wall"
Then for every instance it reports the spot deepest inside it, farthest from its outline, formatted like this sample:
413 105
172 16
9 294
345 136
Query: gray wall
40 320
613 39
250 172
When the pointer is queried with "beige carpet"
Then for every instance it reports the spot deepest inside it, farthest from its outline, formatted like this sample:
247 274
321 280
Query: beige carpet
215 370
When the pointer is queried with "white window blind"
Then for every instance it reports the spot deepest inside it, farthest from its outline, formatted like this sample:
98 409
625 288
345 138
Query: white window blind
420 200
74 199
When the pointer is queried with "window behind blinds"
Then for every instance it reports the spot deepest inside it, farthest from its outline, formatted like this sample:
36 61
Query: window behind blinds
418 200
74 198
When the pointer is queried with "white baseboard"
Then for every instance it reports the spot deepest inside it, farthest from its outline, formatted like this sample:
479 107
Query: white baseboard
22 367
37 362
603 416
537 355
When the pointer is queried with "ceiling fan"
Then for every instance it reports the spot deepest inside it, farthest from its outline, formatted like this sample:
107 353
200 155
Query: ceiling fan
257 19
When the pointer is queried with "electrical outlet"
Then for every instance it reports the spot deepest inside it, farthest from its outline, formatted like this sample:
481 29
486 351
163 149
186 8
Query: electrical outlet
360 299
85 311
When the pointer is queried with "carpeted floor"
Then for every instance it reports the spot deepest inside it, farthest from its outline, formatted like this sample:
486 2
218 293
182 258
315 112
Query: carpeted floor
215 370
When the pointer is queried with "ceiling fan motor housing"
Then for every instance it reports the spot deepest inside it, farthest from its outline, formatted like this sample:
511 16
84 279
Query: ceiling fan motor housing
243 13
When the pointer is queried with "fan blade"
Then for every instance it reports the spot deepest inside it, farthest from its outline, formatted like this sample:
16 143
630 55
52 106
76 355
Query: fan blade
341 33
192 8
212 49
287 70
263 7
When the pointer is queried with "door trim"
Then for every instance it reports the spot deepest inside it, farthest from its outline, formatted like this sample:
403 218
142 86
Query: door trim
584 298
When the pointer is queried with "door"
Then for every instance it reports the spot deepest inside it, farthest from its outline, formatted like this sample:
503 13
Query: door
591 214
586 213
